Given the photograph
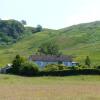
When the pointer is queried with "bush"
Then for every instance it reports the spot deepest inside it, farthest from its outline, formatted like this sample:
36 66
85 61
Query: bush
55 67
62 67
98 67
28 68
74 68
51 67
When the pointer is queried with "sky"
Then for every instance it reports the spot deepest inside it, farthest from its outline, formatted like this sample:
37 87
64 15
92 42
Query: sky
53 14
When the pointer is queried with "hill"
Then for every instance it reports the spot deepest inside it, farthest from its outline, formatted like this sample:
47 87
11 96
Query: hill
78 40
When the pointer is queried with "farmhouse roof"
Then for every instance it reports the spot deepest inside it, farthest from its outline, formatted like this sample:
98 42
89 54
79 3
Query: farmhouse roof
50 58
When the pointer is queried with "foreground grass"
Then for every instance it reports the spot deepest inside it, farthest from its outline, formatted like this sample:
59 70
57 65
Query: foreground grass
49 88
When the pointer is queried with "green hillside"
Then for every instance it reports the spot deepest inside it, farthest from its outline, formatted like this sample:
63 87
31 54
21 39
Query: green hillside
78 40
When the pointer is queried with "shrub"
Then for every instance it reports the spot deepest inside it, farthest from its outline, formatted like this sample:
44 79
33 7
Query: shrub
98 67
61 67
55 67
51 67
74 68
28 68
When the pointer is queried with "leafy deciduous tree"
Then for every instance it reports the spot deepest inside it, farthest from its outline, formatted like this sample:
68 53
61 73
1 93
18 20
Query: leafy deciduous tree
16 64
49 49
38 28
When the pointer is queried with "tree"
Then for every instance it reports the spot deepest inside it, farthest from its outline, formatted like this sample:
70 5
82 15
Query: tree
38 28
21 66
16 64
23 22
87 61
49 49
11 28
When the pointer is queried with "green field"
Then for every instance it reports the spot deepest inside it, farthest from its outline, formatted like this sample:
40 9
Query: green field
50 88
78 40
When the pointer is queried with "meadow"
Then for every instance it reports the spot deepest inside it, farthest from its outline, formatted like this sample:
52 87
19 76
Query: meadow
82 87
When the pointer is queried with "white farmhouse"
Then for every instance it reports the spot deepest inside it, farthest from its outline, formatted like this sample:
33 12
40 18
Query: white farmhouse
43 60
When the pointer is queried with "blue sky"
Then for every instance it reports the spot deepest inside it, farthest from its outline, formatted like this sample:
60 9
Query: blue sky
51 13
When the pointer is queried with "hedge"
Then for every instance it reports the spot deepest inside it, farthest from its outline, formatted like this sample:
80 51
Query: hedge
70 72
66 72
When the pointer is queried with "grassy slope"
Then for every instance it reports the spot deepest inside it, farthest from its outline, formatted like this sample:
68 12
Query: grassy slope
50 88
79 40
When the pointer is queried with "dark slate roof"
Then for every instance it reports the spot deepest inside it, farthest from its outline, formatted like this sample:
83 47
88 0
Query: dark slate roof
50 58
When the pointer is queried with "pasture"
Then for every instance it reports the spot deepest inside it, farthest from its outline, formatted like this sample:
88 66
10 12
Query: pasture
82 87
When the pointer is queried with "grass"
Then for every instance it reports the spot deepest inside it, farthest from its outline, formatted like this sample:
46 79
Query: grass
80 40
49 88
